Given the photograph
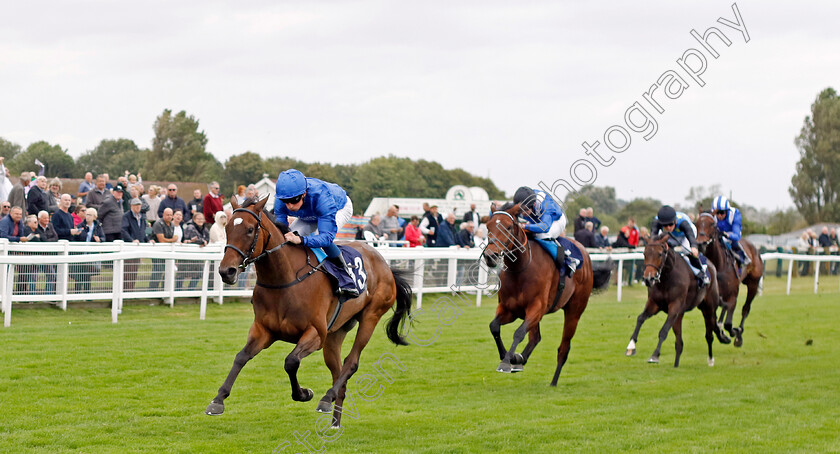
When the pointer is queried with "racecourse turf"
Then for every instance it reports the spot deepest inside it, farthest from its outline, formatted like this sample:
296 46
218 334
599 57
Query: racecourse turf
72 382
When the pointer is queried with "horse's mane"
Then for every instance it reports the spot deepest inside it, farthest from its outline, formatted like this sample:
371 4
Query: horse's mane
659 237
252 201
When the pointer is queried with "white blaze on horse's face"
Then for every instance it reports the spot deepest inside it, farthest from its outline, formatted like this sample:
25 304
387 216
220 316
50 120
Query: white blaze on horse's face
237 221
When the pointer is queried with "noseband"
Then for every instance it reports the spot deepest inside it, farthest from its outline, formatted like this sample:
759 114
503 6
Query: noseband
247 259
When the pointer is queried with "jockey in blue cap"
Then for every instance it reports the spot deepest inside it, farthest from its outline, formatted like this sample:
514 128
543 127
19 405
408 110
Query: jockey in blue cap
544 218
729 223
321 208
683 233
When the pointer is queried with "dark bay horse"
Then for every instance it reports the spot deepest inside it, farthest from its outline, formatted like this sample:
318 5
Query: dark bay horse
293 303
672 288
710 241
528 290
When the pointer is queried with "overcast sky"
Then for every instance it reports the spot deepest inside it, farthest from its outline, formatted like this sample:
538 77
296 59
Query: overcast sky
508 89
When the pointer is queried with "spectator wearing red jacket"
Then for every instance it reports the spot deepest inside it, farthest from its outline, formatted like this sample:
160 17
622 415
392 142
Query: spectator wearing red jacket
413 234
212 202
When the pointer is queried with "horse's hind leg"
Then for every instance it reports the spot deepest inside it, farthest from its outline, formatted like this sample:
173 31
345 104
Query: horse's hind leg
752 290
502 318
332 357
571 316
308 343
258 339
351 362
648 312
678 342
707 308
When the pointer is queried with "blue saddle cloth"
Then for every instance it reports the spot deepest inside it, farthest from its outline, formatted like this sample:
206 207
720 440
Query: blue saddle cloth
354 259
572 251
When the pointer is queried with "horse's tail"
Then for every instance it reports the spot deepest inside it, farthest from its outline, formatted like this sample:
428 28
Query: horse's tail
403 307
601 275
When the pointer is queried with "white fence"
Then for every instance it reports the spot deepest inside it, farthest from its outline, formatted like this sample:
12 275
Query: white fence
34 272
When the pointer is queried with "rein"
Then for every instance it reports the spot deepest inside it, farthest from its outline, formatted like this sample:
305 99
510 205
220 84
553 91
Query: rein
526 243
665 255
248 258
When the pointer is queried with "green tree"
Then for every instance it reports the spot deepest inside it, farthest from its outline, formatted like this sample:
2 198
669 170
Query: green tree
784 221
114 157
380 177
815 187
602 199
8 149
178 150
57 163
245 168
643 210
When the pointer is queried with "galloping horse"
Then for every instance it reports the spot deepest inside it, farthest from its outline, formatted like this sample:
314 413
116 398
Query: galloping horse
672 288
529 290
293 302
710 241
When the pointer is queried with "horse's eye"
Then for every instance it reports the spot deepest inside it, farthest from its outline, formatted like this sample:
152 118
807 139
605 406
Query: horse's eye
250 230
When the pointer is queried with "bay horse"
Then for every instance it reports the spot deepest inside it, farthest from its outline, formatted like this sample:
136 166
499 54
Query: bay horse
529 289
672 288
710 242
293 303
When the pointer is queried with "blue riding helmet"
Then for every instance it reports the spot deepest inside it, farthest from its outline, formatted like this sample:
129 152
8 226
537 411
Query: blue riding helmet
721 203
290 184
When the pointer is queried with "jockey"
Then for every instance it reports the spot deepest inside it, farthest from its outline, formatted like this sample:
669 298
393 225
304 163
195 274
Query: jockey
684 233
729 223
544 218
321 208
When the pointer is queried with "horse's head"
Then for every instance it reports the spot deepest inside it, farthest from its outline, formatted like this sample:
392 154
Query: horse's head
244 241
504 236
656 253
706 230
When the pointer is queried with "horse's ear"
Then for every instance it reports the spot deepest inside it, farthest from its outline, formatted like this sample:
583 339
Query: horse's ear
515 210
234 203
261 204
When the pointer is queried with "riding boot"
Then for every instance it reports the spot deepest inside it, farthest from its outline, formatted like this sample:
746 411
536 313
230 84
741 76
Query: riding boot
560 260
349 291
702 278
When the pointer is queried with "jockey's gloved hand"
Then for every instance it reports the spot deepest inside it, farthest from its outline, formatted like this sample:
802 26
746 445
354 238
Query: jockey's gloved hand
695 252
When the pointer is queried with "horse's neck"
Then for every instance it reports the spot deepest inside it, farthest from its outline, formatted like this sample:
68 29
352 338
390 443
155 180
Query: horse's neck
717 253
519 257
278 265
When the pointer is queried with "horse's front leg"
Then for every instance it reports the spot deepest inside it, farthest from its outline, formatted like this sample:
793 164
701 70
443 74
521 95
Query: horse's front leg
678 342
503 317
309 342
650 309
258 339
673 313
532 321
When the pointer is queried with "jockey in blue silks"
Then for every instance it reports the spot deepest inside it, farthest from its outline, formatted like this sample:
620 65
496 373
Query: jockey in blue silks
729 223
684 233
544 218
321 208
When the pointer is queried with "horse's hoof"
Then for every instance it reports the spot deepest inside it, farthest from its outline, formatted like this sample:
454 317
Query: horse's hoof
711 362
739 341
654 360
215 409
630 352
504 367
306 395
723 339
324 407
517 359
517 368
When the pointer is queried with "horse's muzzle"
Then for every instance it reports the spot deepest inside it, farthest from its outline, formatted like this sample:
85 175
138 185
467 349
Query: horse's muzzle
490 258
229 274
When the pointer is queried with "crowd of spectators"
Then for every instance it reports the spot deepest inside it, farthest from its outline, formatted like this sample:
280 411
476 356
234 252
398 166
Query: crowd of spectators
35 209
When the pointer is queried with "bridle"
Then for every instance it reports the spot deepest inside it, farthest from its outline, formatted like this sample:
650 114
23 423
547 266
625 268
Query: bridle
506 245
663 259
715 233
248 258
